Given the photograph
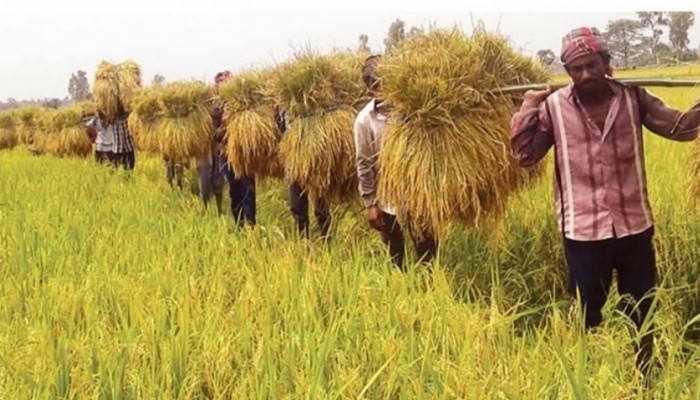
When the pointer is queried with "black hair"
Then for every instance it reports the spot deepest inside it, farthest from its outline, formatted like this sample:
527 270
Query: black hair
368 71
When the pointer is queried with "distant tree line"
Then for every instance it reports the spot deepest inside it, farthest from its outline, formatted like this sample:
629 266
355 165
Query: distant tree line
654 38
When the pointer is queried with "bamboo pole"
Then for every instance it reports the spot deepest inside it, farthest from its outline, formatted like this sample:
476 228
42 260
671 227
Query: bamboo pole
651 82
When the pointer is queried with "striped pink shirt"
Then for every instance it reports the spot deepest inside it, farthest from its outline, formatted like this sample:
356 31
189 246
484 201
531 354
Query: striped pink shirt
600 186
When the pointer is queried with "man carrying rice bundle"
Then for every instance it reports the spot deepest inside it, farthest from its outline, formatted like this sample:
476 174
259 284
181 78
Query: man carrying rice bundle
595 126
317 150
113 91
123 148
216 168
210 169
299 198
370 129
104 137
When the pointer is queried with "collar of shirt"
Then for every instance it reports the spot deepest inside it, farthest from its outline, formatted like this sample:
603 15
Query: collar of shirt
379 110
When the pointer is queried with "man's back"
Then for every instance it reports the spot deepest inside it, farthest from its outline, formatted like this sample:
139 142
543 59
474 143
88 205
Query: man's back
122 137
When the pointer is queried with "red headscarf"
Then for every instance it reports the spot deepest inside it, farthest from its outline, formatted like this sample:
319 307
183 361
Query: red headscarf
222 76
581 41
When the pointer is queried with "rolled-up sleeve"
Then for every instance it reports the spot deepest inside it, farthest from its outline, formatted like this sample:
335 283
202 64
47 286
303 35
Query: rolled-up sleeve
531 133
665 121
365 159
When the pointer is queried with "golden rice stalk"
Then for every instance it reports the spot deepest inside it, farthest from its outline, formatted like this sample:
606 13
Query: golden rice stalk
8 129
41 135
246 91
51 143
86 108
318 152
147 110
694 170
29 121
73 141
185 129
66 117
350 65
321 94
446 156
252 137
66 133
252 144
105 90
129 77
310 83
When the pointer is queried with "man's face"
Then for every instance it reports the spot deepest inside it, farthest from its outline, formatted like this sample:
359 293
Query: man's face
370 71
218 81
588 73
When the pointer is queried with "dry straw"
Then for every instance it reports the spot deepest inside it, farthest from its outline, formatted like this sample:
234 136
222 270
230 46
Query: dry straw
105 91
147 110
116 86
8 129
129 77
29 122
446 156
322 94
252 136
66 135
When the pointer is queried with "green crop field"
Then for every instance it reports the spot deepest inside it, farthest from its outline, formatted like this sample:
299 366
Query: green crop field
116 286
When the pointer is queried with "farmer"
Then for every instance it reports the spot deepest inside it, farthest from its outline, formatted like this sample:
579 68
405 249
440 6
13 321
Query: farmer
241 190
370 130
123 146
104 137
595 126
299 198
209 167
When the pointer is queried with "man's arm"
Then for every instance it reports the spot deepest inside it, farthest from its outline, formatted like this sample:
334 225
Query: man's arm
365 159
531 133
665 121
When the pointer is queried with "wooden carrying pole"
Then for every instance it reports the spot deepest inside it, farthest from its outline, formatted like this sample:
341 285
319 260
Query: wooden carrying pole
650 82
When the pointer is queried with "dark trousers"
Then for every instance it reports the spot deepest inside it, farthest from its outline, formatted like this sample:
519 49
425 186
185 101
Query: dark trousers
128 160
103 156
392 235
591 266
299 205
242 194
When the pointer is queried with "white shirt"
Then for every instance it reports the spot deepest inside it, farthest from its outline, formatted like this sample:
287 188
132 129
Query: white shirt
105 134
370 130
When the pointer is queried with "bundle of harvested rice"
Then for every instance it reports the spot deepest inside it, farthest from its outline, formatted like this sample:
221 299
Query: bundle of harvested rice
447 157
129 78
8 129
252 137
319 154
350 65
105 91
184 130
67 135
43 131
318 149
29 122
147 109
